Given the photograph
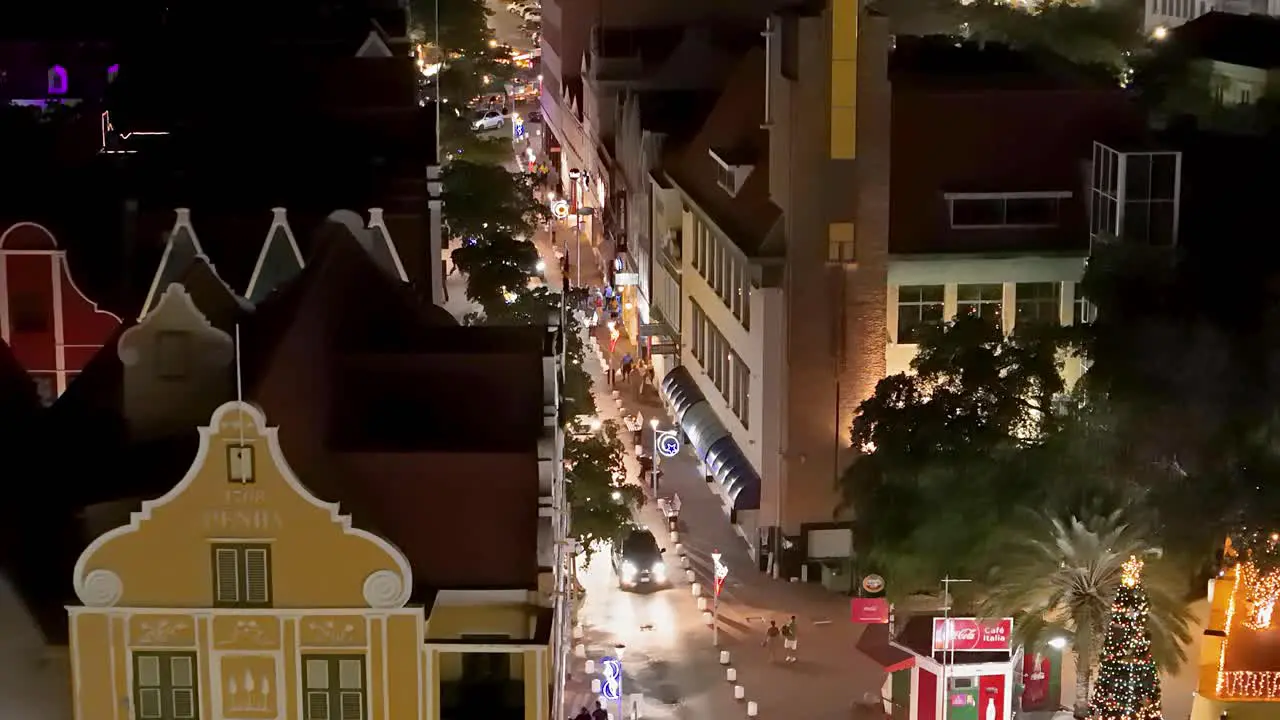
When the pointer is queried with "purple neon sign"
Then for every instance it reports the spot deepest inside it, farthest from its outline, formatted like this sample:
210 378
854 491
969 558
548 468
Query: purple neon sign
57 80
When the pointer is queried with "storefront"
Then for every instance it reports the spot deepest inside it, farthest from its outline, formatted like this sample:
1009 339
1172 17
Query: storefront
966 673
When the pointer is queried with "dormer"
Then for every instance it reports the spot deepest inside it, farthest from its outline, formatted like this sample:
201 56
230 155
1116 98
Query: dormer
732 168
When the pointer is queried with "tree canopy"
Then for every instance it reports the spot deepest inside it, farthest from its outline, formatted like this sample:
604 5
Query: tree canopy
602 502
479 199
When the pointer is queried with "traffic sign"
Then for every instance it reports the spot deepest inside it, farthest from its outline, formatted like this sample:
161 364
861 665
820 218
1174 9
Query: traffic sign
668 443
560 209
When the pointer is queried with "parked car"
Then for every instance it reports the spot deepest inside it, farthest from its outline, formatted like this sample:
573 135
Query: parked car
491 120
532 14
533 116
637 560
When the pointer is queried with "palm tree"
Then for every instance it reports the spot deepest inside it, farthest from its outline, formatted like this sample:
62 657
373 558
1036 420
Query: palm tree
1059 579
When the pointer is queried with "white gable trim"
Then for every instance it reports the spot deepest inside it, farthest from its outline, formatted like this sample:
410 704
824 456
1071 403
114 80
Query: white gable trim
182 221
279 220
376 221
374 47
271 435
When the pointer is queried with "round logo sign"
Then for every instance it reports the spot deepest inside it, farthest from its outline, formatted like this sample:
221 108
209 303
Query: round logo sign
560 209
668 444
873 583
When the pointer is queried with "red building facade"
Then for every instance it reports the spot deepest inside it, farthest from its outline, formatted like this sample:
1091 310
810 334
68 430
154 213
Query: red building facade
51 327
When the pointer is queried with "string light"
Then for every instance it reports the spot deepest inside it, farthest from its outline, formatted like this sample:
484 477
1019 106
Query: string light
1128 684
1221 686
1262 591
1248 684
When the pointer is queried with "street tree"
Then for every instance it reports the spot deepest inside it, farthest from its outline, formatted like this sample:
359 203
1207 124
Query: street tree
1058 577
480 198
497 266
942 453
1104 35
601 502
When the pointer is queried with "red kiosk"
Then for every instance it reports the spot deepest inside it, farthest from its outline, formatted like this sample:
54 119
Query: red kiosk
945 668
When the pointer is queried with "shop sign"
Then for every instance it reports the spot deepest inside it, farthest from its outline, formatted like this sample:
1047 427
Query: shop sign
973 634
651 330
664 349
626 279
873 584
870 611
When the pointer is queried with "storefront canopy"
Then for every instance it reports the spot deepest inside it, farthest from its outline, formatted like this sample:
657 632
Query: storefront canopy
712 441
681 391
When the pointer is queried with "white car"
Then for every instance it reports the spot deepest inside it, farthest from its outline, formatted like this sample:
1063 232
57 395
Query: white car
491 120
532 14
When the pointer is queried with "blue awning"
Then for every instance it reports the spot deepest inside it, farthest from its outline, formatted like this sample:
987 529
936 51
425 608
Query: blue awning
681 391
711 440
731 468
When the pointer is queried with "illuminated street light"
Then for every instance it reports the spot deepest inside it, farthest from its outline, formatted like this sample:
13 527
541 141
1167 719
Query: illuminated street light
1057 643
1160 33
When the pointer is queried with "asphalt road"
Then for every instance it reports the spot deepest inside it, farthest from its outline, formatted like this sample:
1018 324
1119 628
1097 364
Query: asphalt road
506 26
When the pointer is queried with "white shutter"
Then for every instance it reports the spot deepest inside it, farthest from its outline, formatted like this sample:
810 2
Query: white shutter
148 671
149 703
317 674
240 464
352 705
227 575
317 706
182 687
257 576
350 675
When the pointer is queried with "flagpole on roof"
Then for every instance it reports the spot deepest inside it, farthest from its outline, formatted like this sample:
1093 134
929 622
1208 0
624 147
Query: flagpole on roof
239 387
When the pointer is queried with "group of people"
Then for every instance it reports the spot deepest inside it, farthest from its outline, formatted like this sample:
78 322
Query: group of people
788 634
598 714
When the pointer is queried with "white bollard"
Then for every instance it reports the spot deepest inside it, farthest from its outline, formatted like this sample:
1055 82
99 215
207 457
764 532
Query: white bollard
684 561
708 619
595 686
589 667
731 674
689 575
578 632
680 549
702 603
580 650
696 589
752 708
739 692
675 536
724 657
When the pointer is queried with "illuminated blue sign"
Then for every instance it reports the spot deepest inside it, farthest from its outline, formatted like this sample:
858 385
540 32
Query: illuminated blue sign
611 669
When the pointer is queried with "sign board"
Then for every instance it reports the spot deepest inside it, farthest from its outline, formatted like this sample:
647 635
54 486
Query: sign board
560 209
873 584
870 611
668 444
611 669
651 330
722 571
625 279
973 634
664 349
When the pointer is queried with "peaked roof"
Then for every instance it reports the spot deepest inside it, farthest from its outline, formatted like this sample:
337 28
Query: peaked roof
279 261
733 127
180 251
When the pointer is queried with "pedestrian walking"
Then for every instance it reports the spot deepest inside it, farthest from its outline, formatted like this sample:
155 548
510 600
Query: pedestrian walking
599 713
789 638
613 374
626 366
582 714
771 640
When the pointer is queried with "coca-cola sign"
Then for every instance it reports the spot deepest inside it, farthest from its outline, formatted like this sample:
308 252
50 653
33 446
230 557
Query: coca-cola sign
973 634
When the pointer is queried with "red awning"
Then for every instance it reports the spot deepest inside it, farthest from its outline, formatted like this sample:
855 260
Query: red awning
874 643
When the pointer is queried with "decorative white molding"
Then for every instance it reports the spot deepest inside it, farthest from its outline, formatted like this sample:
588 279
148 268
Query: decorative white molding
279 221
100 588
376 222
82 574
374 47
383 589
161 631
248 632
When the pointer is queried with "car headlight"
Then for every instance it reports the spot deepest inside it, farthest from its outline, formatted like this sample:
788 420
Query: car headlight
628 569
659 570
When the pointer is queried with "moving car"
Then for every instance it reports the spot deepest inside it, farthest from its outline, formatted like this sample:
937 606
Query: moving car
637 560
491 120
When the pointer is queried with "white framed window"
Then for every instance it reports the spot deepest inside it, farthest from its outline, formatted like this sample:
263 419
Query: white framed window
1083 312
333 687
1012 210
841 246
240 467
984 300
241 575
164 686
1037 303
919 306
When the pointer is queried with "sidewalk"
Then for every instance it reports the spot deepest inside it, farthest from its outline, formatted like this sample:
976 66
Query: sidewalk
830 675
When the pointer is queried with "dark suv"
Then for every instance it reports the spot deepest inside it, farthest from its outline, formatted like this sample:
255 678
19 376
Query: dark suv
637 560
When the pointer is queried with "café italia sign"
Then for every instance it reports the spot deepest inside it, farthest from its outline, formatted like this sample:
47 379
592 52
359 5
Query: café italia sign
973 634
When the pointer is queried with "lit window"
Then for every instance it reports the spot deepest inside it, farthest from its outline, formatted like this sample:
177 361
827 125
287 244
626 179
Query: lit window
919 306
984 301
1037 303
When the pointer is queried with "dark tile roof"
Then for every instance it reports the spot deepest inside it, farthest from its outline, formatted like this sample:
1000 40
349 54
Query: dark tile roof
937 63
734 123
677 114
1249 40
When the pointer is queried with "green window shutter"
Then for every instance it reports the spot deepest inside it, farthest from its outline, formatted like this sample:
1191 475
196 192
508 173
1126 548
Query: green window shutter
226 571
257 576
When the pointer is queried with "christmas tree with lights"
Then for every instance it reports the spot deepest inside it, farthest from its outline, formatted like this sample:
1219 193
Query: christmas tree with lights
1128 684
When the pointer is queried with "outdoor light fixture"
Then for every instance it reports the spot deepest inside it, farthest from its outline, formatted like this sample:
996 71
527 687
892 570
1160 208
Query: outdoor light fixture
1160 33
1057 643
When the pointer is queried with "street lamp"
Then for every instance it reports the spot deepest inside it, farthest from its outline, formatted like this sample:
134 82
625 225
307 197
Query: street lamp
1057 643
653 425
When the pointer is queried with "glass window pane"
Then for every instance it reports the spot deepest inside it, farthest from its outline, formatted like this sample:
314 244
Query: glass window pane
148 671
1031 211
317 674
350 675
977 212
149 703
180 674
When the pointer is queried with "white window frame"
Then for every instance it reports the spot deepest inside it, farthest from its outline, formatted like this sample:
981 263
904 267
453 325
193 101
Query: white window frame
962 305
1004 198
240 464
916 307
333 671
1019 303
241 555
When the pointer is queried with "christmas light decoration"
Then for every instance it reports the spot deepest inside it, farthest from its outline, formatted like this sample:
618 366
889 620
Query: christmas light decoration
1262 590
1226 630
1247 684
1128 684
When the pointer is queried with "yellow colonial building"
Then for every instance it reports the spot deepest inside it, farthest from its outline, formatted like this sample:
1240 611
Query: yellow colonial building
240 595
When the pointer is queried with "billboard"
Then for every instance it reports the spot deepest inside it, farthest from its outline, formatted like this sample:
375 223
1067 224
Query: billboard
973 634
